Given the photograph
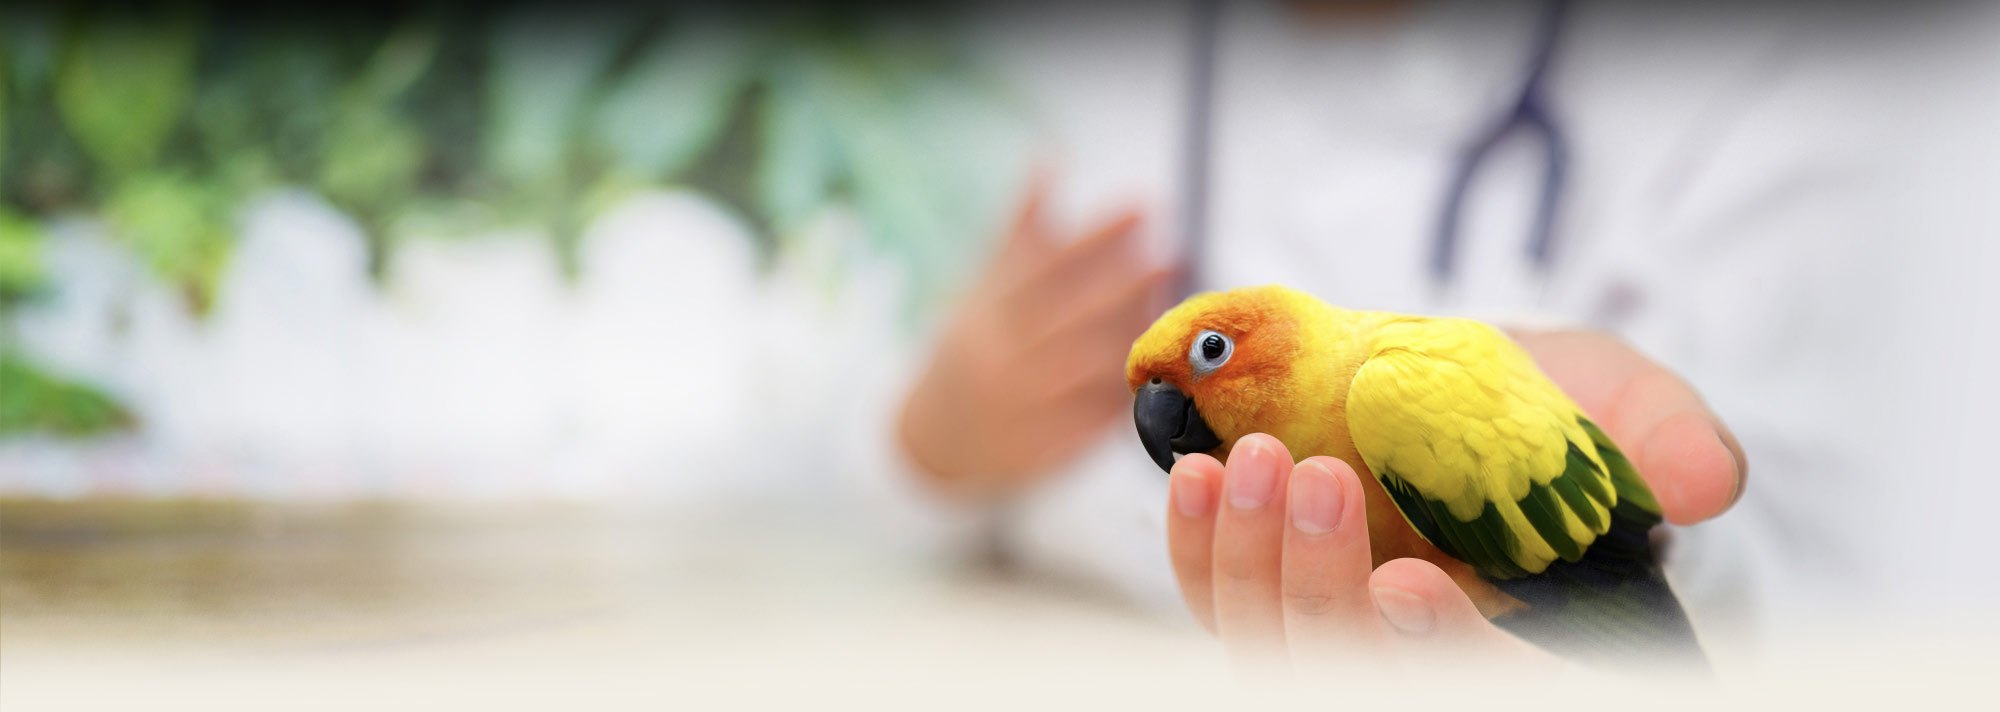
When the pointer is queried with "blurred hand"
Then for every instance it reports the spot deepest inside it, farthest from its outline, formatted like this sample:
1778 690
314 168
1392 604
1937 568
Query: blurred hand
1030 370
1274 558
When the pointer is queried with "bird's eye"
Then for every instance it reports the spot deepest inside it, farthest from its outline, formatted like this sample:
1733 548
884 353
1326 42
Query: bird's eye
1209 351
1211 347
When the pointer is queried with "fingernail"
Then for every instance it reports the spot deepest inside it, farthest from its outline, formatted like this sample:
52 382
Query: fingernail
1315 499
1404 610
1192 497
1251 484
1738 477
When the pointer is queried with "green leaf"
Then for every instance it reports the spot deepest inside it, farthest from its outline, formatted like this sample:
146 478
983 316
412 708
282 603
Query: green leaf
894 182
260 109
402 59
121 84
606 192
926 148
545 64
371 159
21 268
35 401
371 167
799 162
672 102
373 152
5 83
27 38
432 216
178 227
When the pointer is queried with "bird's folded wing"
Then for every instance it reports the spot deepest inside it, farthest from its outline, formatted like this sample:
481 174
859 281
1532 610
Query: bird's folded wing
1482 453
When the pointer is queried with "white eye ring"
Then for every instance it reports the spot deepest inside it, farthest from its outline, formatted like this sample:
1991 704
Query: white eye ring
1209 350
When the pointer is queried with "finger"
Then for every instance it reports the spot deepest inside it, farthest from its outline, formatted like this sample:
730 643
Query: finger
1192 494
1169 293
1083 362
1060 433
1062 428
1022 247
1089 394
1688 458
1429 614
1326 562
1106 242
1030 223
1103 327
1084 387
1590 366
1249 541
1072 270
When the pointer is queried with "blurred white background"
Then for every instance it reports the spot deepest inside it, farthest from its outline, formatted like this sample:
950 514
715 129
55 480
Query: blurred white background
675 270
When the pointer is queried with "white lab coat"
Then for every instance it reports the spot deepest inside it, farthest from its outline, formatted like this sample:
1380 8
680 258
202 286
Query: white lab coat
1771 200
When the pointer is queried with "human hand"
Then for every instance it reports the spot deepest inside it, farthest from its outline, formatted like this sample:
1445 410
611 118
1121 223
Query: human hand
1030 369
1275 559
1690 460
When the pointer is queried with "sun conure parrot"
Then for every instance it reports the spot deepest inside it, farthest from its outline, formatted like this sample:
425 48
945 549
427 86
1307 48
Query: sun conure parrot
1484 466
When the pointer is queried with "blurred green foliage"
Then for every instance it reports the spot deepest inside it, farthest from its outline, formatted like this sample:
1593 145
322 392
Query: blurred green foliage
20 257
121 84
34 401
441 121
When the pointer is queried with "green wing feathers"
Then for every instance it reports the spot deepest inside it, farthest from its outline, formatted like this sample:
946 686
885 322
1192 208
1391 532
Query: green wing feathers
1613 603
1482 454
1607 600
1491 544
1490 462
1623 478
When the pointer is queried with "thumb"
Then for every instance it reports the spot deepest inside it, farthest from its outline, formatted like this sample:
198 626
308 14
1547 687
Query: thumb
1430 613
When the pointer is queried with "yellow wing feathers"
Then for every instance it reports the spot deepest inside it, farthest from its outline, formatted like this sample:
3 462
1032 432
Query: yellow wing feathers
1465 430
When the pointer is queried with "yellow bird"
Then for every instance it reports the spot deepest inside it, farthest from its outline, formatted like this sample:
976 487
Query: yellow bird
1482 465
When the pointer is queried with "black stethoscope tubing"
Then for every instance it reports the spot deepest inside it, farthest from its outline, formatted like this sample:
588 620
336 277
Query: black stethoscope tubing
1529 113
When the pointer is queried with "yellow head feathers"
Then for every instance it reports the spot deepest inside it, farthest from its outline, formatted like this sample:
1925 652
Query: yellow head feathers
1233 359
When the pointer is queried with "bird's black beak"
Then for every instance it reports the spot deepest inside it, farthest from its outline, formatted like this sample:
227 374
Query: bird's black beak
1169 423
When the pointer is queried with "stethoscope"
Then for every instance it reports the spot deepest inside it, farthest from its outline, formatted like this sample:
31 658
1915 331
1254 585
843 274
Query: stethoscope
1528 114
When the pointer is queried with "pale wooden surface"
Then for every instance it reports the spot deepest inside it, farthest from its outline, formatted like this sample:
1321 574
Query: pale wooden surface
720 600
228 605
